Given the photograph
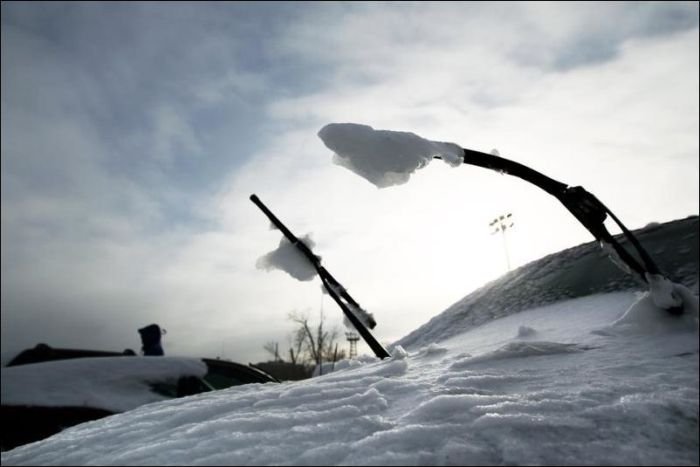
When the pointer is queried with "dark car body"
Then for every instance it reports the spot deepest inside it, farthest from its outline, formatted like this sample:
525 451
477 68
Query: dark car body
24 422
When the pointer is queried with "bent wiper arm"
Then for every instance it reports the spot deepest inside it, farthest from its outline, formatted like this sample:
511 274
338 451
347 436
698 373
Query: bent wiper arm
583 205
503 165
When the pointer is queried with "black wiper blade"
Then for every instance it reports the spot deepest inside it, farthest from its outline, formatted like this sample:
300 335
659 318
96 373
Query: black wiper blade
332 286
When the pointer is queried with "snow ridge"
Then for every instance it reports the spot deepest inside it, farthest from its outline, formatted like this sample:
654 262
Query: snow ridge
574 272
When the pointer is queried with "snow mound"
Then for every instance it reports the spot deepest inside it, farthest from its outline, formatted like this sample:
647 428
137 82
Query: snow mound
289 259
398 353
431 350
645 317
356 362
384 157
520 350
526 331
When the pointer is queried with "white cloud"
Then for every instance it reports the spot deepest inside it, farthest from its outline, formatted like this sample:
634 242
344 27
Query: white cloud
172 135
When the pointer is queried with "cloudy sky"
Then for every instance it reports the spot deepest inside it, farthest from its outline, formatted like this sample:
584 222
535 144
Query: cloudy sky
134 133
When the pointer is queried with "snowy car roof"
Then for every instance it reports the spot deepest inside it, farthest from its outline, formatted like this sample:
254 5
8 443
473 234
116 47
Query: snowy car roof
111 383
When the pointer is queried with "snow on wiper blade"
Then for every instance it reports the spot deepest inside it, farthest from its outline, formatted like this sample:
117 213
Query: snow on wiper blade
383 157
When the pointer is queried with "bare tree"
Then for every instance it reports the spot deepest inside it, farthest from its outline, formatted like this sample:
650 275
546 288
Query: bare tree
316 341
296 345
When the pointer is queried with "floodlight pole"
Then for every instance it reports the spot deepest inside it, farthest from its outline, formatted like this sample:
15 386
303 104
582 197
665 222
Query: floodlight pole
500 224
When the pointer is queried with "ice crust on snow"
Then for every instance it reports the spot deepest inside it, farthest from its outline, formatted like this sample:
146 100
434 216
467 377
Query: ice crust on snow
384 157
289 259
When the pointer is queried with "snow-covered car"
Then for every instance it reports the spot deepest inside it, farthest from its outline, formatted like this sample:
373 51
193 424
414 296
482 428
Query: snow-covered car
41 399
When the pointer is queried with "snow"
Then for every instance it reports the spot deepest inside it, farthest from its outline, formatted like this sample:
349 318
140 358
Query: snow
289 259
575 272
642 317
360 313
560 362
664 293
602 379
384 157
363 315
116 384
330 367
